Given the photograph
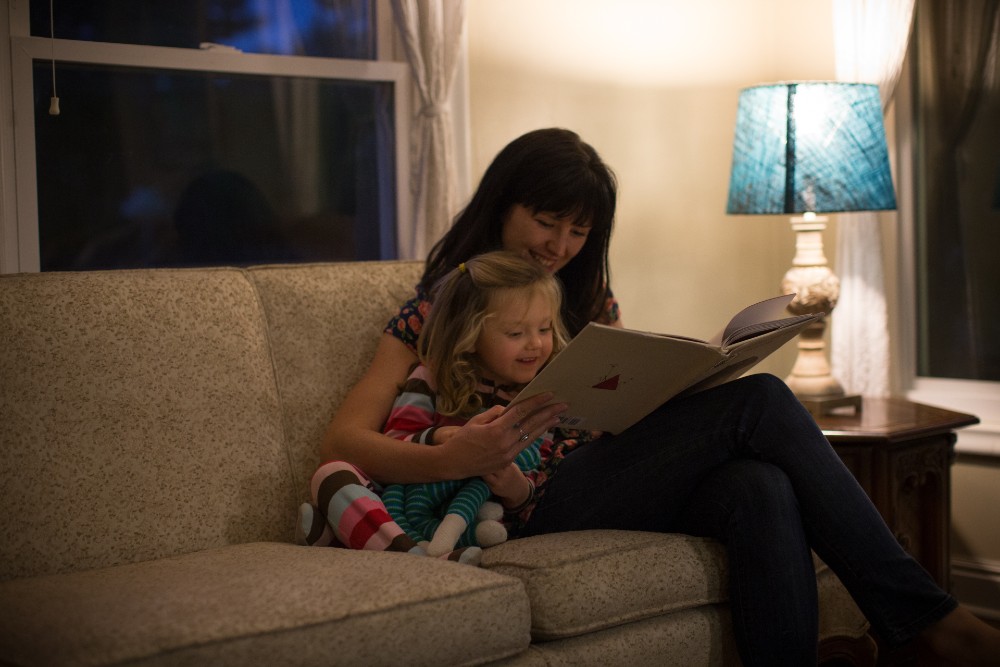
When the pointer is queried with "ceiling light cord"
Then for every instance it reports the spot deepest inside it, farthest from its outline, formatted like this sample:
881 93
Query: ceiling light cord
54 100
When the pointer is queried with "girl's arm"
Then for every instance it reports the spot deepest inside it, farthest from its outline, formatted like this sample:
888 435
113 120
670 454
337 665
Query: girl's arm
510 485
487 443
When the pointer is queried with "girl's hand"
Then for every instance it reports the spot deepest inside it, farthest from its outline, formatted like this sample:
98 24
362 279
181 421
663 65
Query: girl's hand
509 484
490 441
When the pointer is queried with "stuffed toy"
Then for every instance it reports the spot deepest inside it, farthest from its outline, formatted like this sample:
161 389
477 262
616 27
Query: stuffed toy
453 513
456 513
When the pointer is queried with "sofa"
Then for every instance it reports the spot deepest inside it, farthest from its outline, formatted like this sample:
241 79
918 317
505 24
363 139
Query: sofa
158 429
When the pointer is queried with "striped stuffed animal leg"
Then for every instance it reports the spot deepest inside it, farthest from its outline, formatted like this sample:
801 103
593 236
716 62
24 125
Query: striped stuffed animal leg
359 519
312 529
355 514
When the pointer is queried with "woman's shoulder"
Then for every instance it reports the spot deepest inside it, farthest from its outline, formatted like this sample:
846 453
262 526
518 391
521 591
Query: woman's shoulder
408 321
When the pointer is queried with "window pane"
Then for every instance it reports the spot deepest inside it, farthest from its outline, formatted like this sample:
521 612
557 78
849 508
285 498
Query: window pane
322 28
958 193
170 168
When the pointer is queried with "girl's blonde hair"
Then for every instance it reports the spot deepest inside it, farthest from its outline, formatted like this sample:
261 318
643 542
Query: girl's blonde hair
460 303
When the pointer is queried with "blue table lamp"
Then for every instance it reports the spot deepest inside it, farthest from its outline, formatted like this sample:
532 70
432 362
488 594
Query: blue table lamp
806 148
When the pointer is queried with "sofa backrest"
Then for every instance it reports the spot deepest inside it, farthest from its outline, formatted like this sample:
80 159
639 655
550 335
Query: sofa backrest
139 418
324 322
150 413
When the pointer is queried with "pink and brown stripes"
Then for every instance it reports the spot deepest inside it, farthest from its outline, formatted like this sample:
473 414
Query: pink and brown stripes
359 520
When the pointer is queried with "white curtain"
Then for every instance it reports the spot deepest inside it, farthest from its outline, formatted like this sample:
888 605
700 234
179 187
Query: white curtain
870 38
431 31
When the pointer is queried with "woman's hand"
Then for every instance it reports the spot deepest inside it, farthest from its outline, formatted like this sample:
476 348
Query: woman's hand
487 443
443 433
490 441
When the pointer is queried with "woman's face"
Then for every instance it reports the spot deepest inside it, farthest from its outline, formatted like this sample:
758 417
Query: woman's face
550 241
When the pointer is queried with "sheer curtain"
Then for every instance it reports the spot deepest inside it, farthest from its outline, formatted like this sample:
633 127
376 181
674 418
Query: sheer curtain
431 31
870 38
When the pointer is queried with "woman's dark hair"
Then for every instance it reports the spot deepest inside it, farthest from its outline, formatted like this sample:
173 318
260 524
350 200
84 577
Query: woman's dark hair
552 171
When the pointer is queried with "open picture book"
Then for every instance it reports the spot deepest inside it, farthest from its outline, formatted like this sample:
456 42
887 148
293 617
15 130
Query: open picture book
613 377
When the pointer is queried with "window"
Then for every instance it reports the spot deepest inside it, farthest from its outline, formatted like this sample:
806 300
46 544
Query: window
957 165
202 133
946 305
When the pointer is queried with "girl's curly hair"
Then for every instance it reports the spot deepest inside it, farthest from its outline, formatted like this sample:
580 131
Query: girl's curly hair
461 302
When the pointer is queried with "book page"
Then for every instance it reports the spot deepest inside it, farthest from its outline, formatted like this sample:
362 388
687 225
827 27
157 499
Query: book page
768 310
753 330
747 353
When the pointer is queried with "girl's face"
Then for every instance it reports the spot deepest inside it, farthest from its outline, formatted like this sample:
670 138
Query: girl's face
550 241
516 340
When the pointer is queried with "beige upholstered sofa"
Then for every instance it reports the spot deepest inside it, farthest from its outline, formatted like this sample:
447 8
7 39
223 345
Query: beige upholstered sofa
157 432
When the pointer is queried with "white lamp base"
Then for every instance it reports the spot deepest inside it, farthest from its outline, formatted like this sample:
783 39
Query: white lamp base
817 290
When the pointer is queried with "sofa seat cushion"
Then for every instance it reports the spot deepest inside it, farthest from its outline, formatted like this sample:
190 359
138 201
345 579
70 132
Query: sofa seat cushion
839 616
587 581
266 604
701 637
597 580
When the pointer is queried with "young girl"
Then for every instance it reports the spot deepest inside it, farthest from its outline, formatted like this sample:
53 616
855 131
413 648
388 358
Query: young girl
494 324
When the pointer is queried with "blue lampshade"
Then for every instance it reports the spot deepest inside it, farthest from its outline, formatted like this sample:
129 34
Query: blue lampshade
810 147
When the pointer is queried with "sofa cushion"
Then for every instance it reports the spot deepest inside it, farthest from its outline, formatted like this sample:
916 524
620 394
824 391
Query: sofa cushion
595 581
839 616
586 581
139 418
701 636
324 322
266 604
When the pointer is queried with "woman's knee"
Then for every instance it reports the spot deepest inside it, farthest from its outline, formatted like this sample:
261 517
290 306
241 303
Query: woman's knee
766 385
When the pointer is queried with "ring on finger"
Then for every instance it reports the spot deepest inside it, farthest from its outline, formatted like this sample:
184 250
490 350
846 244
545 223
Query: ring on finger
524 436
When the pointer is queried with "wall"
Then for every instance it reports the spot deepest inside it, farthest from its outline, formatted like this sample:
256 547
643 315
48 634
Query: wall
975 495
653 86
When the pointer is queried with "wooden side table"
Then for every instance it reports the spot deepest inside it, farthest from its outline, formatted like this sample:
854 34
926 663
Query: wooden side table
901 453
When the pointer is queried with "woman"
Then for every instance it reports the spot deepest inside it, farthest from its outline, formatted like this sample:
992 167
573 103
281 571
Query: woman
743 463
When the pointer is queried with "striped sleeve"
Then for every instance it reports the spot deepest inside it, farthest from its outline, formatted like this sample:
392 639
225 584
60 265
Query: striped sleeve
412 417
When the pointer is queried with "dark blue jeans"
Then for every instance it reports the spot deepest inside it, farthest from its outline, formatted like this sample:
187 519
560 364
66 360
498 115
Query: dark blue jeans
745 463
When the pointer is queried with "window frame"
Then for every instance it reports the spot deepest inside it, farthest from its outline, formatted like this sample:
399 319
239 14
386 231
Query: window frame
19 243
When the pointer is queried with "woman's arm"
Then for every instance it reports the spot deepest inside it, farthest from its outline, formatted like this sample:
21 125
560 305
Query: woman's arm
487 443
355 432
